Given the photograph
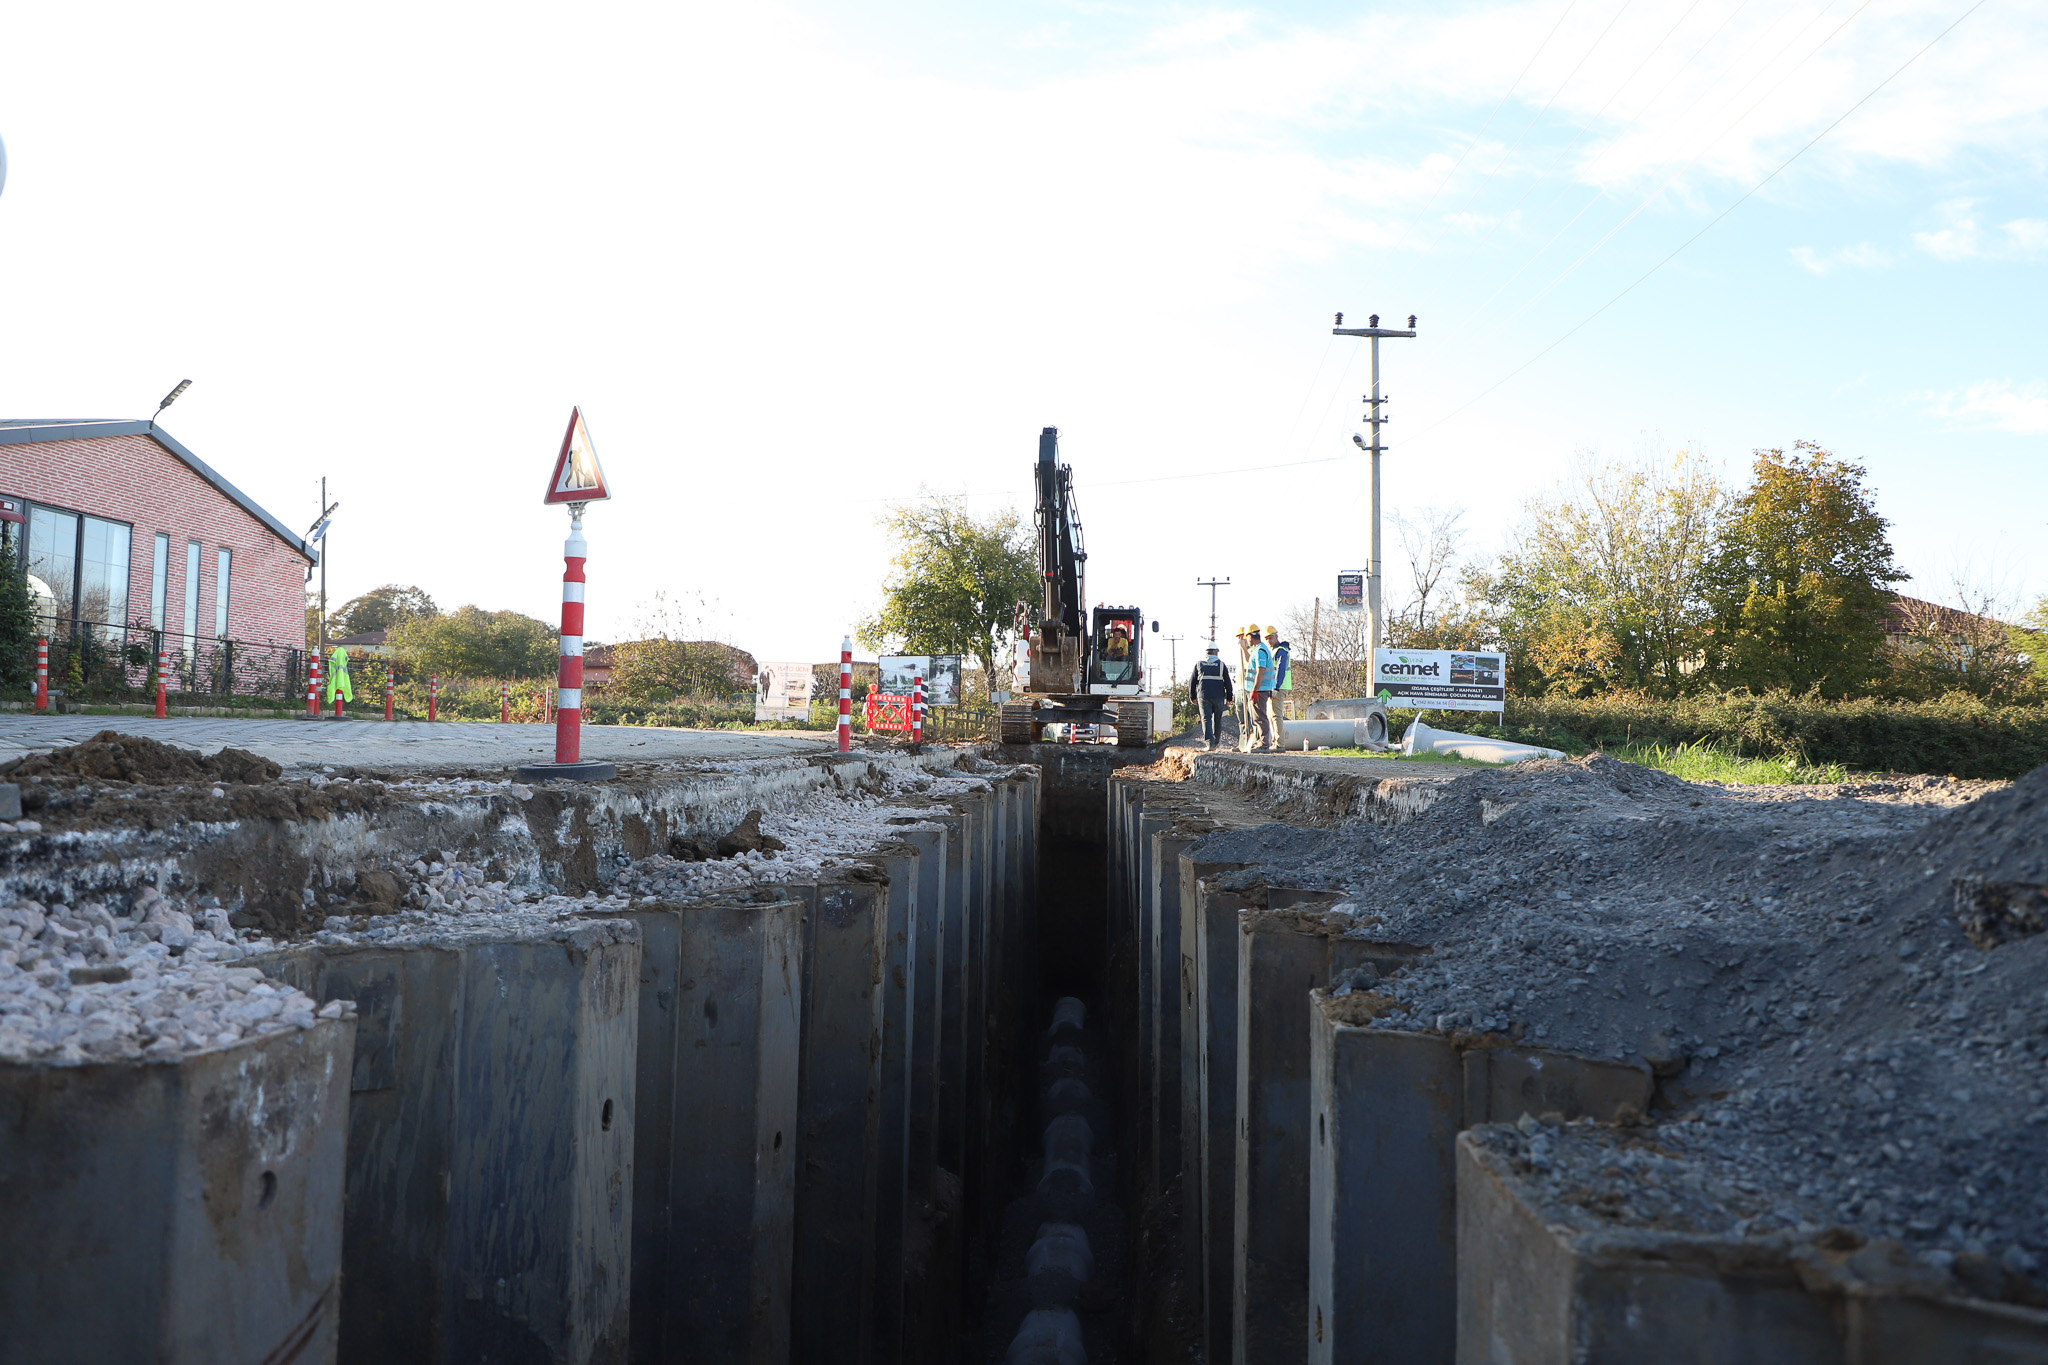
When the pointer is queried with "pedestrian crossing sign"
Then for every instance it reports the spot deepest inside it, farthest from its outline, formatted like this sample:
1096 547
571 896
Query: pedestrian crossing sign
578 476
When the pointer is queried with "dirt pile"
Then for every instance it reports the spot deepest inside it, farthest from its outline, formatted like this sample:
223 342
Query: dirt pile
1802 973
110 756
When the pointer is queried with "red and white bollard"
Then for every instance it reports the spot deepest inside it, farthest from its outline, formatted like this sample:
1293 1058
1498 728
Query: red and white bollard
569 681
846 695
337 703
313 682
42 674
433 693
504 702
387 693
917 708
163 679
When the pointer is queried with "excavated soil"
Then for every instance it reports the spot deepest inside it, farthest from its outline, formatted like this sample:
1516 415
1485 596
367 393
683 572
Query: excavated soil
1846 997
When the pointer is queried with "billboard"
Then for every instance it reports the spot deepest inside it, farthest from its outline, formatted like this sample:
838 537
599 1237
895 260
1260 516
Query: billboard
782 692
941 677
1350 591
1441 679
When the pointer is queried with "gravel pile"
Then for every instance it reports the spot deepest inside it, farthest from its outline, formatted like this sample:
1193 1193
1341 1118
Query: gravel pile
825 831
1848 999
79 984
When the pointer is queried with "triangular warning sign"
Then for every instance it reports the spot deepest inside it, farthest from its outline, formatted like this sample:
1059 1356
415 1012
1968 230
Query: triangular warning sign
578 476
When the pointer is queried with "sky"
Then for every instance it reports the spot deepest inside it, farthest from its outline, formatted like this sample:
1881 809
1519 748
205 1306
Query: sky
798 262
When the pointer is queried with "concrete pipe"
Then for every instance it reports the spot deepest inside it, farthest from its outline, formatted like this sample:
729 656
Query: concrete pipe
1421 739
1355 732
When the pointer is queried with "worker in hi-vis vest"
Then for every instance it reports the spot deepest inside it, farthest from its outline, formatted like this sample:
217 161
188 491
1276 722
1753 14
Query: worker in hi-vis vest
1259 681
1283 672
1209 688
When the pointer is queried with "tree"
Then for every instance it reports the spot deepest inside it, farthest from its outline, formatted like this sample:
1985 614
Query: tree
1604 584
380 609
470 642
1430 541
17 617
954 583
659 670
1800 581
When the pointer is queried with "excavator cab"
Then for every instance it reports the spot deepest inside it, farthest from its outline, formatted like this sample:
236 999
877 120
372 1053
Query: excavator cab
1118 657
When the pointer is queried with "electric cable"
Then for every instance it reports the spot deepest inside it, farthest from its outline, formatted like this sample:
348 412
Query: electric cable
1745 197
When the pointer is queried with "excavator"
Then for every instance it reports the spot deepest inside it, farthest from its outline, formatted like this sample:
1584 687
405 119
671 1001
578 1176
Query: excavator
1079 669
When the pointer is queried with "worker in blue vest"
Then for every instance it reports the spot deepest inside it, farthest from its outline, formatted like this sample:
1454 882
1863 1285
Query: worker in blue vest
1259 680
1209 688
1283 673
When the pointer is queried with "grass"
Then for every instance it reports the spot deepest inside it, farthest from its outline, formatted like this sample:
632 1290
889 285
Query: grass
1705 762
1697 762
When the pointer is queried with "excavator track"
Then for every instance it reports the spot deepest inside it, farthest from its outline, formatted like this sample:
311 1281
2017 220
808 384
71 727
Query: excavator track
1133 724
1014 724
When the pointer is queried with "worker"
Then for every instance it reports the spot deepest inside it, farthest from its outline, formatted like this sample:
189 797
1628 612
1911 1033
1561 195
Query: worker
1209 688
1283 673
338 687
1243 702
1259 679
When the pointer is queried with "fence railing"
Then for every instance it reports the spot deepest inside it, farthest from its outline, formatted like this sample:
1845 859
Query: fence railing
101 661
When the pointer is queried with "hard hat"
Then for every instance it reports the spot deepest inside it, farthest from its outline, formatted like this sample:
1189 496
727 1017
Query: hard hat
1212 649
1272 630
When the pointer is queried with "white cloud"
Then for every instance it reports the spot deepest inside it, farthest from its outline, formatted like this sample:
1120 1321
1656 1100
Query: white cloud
1860 256
1996 405
1961 239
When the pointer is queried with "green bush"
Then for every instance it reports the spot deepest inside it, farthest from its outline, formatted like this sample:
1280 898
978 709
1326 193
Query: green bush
1959 735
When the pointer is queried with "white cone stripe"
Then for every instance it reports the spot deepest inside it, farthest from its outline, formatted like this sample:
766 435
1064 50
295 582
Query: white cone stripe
569 699
572 592
572 646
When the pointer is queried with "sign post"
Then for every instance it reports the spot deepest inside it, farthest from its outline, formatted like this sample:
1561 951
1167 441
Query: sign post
578 481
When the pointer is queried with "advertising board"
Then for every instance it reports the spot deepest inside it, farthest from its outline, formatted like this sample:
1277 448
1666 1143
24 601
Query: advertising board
1350 591
1441 679
941 677
782 692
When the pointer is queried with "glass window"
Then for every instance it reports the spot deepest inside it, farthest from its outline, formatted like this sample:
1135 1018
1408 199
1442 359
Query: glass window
220 593
159 581
103 574
52 565
191 596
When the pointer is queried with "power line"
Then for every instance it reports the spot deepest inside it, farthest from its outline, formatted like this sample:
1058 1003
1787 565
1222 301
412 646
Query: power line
1537 117
1506 95
1708 146
1746 196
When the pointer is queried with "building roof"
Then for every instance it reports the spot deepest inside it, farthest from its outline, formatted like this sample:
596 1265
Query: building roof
1904 615
365 639
17 431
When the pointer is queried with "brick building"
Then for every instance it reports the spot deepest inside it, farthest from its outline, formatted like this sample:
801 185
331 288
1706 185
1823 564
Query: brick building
126 528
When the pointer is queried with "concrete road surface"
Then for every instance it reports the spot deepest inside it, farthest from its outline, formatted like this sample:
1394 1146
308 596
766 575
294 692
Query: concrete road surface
406 744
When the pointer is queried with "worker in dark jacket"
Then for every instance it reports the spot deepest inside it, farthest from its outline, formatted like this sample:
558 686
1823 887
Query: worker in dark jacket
1209 688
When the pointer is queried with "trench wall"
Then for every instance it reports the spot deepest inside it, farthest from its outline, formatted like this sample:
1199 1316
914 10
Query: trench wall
763 1125
1313 1186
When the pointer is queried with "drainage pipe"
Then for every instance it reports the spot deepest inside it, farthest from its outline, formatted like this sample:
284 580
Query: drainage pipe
1421 739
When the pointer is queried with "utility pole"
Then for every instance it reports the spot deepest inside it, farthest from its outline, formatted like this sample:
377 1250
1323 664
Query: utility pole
1173 653
1373 401
1212 584
316 535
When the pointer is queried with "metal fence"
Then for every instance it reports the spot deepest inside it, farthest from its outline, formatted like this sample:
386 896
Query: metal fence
99 661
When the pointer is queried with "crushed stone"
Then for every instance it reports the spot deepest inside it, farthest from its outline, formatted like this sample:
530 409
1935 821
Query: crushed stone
1800 972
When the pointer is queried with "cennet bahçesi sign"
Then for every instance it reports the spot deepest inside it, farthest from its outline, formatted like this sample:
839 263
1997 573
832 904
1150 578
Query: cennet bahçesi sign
1441 679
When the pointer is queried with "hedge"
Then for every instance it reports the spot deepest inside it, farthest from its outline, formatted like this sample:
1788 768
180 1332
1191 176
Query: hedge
1957 735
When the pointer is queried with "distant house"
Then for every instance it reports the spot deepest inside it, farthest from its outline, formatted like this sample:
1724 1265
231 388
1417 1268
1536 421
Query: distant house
1909 621
364 642
124 527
